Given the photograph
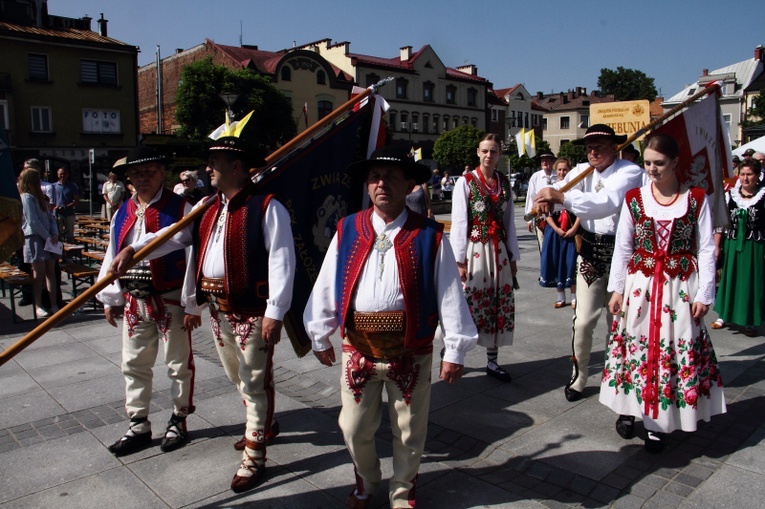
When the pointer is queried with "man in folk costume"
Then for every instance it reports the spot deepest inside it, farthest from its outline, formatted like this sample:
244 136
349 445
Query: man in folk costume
388 278
243 266
150 294
597 201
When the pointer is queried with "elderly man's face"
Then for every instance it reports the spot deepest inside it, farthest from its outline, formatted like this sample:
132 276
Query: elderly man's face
147 179
601 152
388 187
546 163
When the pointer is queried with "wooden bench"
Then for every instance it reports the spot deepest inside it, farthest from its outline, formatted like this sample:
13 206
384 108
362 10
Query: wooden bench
15 280
81 275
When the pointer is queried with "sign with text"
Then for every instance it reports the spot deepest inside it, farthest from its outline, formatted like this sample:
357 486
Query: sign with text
624 117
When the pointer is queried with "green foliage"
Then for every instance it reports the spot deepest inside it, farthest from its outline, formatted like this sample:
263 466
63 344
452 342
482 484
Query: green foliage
200 109
574 153
456 148
756 114
627 84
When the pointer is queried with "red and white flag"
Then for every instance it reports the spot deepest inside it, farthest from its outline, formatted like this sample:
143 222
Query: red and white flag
305 114
705 153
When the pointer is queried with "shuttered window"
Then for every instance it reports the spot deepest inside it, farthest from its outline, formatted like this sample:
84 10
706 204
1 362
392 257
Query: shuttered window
96 72
38 67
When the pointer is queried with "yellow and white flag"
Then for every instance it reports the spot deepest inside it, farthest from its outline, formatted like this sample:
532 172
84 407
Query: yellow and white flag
520 141
531 143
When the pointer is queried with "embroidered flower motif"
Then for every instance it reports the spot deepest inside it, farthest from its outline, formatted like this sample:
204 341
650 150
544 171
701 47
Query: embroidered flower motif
479 206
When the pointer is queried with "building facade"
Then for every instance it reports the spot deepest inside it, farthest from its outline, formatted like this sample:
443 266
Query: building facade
65 90
426 97
314 86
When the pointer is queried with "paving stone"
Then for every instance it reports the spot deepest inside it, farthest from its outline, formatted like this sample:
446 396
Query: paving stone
679 489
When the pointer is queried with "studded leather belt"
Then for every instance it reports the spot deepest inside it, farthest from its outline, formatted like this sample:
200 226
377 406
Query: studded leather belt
377 335
212 286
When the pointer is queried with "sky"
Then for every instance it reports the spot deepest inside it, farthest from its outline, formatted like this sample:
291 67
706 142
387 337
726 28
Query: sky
548 46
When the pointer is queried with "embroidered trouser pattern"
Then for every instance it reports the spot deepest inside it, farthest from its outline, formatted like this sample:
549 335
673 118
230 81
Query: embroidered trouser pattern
407 384
248 363
147 323
591 297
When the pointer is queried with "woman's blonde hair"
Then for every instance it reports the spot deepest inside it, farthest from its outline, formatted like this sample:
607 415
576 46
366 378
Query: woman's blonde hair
30 182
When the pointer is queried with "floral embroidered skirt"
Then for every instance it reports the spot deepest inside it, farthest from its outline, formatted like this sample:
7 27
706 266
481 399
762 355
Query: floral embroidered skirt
489 293
689 383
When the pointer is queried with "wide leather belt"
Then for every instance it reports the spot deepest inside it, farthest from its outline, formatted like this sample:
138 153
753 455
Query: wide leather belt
377 335
212 285
137 282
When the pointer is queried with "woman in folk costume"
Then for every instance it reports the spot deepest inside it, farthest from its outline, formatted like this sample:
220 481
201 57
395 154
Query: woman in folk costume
741 295
660 364
486 249
558 257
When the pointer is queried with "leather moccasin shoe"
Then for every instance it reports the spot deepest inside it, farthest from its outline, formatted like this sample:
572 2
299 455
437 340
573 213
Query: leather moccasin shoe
499 373
654 443
130 443
572 394
717 324
559 304
357 503
240 484
240 444
176 435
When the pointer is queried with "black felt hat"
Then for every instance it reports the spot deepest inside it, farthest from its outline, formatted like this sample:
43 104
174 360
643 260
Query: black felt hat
600 131
141 154
393 156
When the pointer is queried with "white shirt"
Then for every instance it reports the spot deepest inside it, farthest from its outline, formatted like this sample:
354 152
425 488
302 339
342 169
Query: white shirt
459 231
625 242
537 181
277 236
597 199
113 295
374 294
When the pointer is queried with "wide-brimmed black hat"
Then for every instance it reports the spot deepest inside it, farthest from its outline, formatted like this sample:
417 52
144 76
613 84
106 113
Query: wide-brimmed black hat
141 154
393 156
600 131
546 153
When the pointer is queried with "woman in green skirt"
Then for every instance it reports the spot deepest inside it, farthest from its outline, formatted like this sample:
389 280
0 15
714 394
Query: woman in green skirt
741 293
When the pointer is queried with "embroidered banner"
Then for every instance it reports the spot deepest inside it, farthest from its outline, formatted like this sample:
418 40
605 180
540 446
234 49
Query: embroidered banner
11 237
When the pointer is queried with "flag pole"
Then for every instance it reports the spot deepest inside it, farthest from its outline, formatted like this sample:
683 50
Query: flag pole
139 256
711 87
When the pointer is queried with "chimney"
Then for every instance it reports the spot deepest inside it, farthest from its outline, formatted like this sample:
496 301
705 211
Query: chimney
759 53
102 26
406 53
705 72
540 96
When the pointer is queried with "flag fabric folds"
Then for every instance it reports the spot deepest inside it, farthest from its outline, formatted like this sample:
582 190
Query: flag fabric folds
705 154
530 143
313 185
520 141
11 237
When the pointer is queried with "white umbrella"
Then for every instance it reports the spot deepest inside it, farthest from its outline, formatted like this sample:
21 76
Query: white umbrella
758 145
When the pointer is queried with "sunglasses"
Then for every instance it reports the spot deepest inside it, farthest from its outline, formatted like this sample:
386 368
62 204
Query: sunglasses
185 181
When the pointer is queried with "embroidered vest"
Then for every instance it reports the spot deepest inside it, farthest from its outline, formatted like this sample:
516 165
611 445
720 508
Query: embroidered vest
679 258
168 271
485 212
244 249
746 221
416 247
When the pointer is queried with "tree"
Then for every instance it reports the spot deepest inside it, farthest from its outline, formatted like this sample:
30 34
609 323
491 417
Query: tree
627 84
574 153
519 163
200 109
756 114
456 148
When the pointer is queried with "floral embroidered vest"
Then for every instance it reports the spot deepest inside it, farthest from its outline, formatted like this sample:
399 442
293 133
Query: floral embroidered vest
167 272
416 247
485 211
679 258
246 258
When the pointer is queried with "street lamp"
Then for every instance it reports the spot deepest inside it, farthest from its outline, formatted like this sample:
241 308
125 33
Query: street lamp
229 99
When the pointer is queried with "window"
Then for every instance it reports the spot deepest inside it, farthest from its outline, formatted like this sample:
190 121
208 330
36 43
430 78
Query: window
435 124
372 79
99 73
321 78
392 119
41 122
401 84
494 115
544 123
4 123
474 122
726 119
565 123
427 91
451 94
446 124
324 108
425 123
415 123
286 74
584 121
535 120
564 141
404 122
101 121
38 67
472 97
